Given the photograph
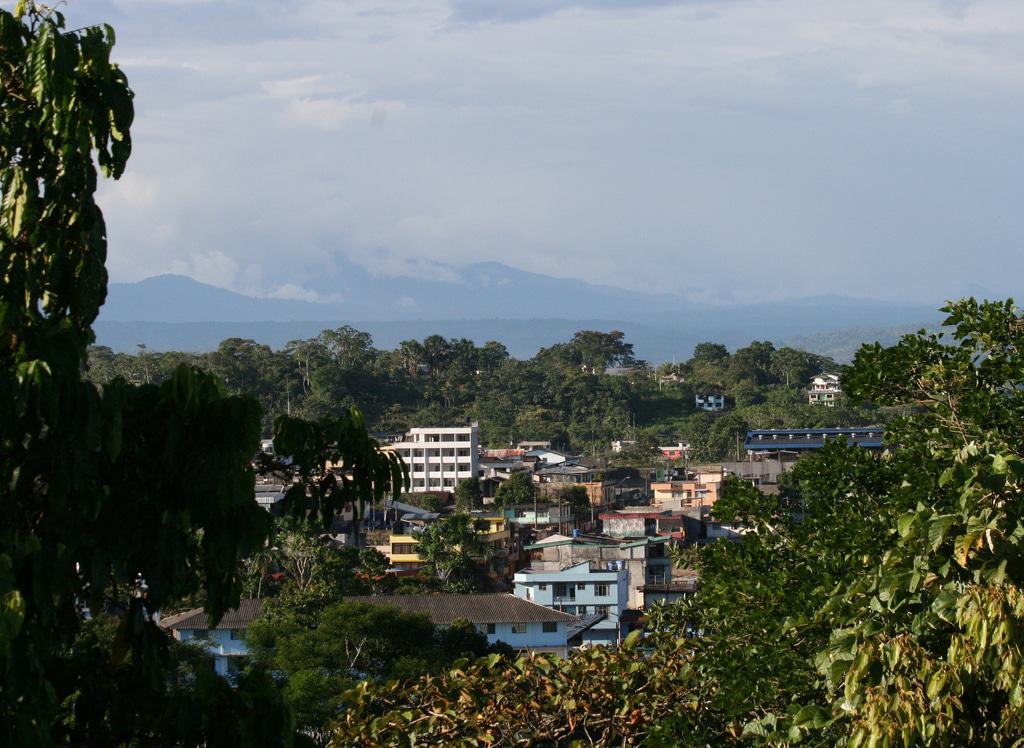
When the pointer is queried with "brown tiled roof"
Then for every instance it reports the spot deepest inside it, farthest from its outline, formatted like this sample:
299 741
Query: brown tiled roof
237 618
445 608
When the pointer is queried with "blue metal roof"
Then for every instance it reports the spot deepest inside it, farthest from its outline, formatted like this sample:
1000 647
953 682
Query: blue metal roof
769 440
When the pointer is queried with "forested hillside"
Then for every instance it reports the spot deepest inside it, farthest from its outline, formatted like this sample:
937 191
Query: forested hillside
580 394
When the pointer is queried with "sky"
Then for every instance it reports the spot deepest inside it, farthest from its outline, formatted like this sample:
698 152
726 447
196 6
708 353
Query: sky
720 149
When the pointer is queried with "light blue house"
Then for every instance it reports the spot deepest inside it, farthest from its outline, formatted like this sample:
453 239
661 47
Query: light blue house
226 641
523 625
597 594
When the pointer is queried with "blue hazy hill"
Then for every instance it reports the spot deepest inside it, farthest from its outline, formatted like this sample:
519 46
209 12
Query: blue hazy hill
487 301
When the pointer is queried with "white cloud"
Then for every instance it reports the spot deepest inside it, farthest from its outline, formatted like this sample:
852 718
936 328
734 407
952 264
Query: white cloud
298 293
330 114
645 144
214 268
383 263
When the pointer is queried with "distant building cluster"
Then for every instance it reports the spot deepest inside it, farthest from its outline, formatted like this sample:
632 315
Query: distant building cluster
574 573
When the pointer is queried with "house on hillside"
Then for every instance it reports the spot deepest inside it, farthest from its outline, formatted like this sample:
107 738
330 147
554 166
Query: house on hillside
226 641
523 625
675 451
825 390
682 584
709 402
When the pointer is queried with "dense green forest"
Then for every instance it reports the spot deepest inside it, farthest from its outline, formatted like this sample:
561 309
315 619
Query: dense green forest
580 394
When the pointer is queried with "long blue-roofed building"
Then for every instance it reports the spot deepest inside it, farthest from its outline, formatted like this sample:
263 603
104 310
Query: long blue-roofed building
783 443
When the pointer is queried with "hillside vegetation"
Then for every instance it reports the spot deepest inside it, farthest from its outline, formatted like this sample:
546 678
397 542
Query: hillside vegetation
580 394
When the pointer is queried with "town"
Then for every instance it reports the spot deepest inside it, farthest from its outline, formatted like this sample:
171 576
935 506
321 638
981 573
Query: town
476 373
572 552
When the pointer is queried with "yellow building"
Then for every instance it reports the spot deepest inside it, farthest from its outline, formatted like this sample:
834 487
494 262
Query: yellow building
684 494
401 549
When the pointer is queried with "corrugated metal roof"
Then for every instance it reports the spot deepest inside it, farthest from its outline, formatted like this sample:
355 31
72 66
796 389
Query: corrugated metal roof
812 438
248 610
564 468
445 608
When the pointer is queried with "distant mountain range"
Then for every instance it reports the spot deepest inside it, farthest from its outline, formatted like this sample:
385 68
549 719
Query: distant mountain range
525 311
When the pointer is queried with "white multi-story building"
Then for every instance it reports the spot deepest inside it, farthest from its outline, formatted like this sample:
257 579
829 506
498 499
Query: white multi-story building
709 402
825 390
438 458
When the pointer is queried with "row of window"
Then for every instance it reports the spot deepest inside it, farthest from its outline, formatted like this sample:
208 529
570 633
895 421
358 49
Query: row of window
584 610
236 634
548 627
563 589
436 438
434 483
462 467
409 452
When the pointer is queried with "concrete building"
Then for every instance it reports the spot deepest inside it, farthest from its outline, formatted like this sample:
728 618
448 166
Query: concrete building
644 559
522 624
226 641
528 515
439 458
585 590
642 521
825 390
678 495
682 584
709 402
675 451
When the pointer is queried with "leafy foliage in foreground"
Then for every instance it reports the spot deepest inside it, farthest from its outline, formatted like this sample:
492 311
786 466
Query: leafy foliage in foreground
350 642
127 499
603 696
927 646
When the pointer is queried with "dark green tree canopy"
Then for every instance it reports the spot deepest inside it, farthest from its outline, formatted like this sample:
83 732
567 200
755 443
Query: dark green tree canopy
518 489
126 500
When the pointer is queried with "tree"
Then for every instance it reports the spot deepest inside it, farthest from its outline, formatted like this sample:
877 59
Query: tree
124 500
451 549
575 496
926 646
351 642
752 364
518 489
468 495
599 350
710 352
317 660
